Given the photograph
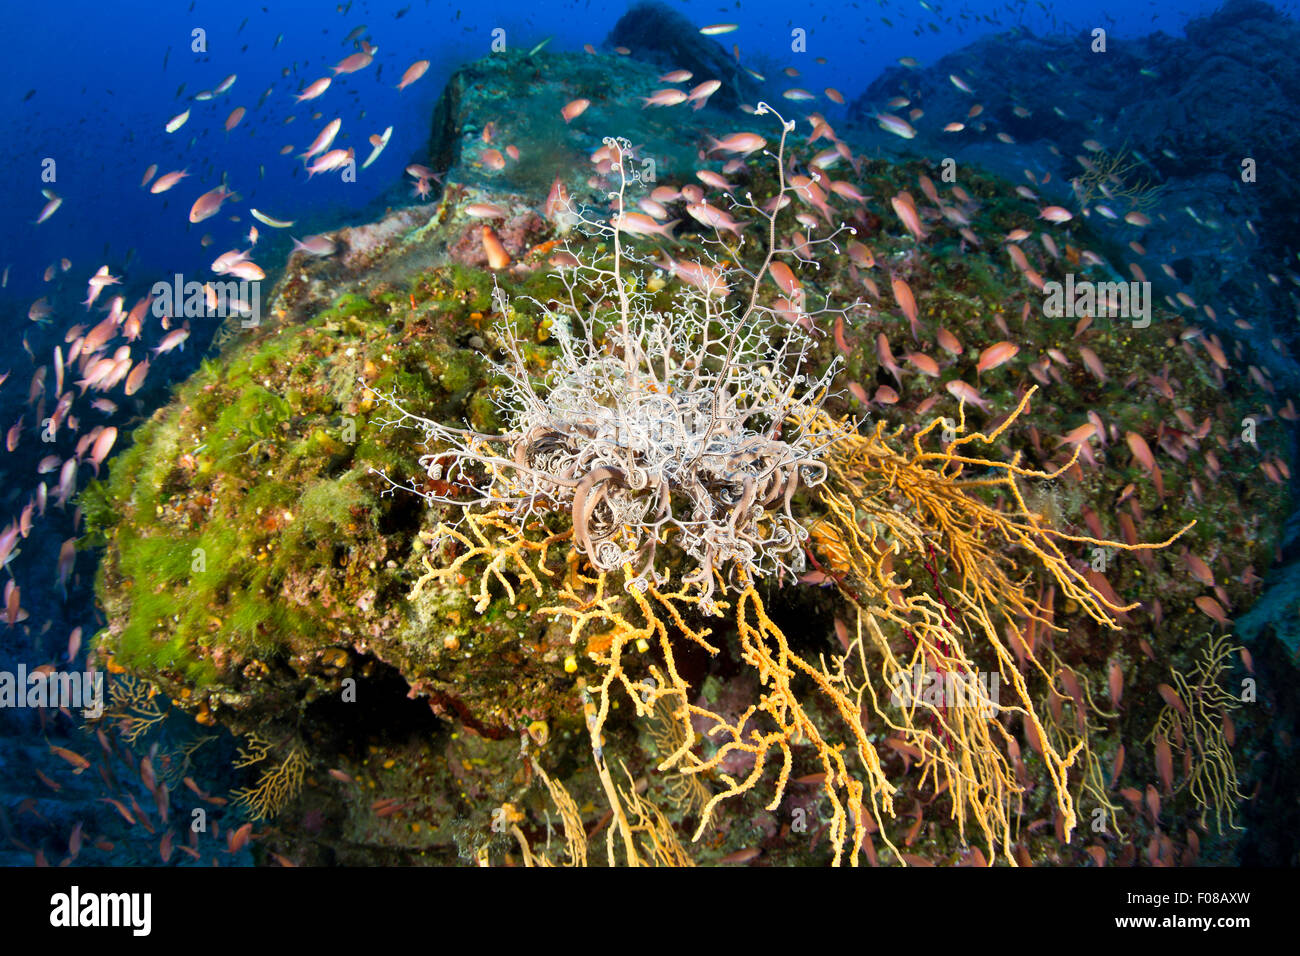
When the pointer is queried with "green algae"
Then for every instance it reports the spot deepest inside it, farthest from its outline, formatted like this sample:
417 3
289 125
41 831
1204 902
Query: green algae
239 493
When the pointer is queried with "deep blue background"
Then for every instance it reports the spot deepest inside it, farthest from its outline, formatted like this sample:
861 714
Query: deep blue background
102 96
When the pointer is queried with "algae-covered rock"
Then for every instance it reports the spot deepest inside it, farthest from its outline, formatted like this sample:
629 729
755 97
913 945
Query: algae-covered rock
517 100
266 562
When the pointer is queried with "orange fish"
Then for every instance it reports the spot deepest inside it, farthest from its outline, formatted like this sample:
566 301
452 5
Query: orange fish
1018 257
1077 436
135 380
996 355
334 159
1093 363
700 276
1212 609
712 216
906 301
886 356
171 340
103 445
886 395
413 73
1199 569
860 255
905 209
1141 451
323 139
840 342
966 393
896 125
785 279
665 97
78 762
1170 697
1153 803
639 224
350 64
496 253
574 108
1216 352
1165 763
948 342
315 90
738 143
67 558
923 364
166 182
209 204
699 95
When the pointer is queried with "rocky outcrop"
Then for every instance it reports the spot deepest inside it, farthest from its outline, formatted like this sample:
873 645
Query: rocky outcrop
1277 613
1188 110
521 97
659 35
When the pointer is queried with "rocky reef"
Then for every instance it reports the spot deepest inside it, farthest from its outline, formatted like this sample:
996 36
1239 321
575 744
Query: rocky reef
260 571
656 34
1175 116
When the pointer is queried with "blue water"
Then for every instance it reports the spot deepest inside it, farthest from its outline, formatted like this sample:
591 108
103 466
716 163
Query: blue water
105 78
